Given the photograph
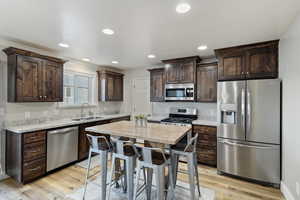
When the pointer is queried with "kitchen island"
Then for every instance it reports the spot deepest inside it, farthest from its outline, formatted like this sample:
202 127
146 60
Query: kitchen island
156 133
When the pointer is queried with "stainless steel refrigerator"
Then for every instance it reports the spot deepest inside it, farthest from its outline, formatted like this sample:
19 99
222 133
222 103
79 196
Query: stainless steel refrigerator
249 131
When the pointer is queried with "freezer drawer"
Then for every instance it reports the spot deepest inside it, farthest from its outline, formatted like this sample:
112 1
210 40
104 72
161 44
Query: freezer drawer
249 160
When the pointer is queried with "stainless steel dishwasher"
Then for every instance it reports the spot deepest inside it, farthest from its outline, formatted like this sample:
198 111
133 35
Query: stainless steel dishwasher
62 147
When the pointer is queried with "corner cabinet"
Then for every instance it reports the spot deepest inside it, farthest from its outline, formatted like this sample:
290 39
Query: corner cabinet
253 61
157 85
110 86
33 77
181 70
207 75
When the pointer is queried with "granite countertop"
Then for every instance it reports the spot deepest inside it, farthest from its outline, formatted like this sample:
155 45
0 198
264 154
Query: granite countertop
59 123
205 122
161 133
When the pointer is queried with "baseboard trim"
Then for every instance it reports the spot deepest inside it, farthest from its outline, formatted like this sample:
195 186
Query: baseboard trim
286 192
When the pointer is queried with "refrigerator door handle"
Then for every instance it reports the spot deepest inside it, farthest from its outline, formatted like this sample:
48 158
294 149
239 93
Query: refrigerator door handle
249 111
246 146
243 108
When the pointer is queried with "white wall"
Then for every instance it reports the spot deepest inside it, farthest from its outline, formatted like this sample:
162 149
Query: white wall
290 74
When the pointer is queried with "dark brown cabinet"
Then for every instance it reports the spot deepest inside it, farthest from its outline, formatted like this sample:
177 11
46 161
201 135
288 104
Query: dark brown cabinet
181 70
207 75
253 61
207 144
110 86
26 155
33 77
157 85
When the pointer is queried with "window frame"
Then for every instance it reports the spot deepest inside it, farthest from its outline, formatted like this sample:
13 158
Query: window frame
91 86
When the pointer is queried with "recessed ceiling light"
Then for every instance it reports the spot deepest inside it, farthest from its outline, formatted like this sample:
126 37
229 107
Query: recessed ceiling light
86 59
64 45
108 31
202 47
151 56
183 8
115 62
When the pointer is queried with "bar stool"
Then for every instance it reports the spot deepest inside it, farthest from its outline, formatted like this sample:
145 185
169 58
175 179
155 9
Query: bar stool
123 149
99 145
154 160
189 152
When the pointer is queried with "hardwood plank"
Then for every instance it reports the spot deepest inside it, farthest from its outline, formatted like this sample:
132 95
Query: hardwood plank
63 182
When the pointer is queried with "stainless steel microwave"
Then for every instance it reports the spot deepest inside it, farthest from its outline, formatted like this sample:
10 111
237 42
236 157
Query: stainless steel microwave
180 92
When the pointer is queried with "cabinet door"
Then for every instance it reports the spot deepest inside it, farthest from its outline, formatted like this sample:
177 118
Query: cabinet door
118 88
187 72
52 82
262 62
173 73
28 79
231 66
110 81
207 83
157 85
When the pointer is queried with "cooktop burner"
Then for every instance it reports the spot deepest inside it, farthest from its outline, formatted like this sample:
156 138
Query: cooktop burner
178 120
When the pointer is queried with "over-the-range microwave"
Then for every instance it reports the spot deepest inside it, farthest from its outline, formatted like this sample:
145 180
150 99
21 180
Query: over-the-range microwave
180 92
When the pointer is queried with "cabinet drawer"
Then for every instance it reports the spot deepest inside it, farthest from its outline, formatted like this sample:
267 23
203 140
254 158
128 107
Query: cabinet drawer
208 143
207 137
34 151
34 169
205 129
34 137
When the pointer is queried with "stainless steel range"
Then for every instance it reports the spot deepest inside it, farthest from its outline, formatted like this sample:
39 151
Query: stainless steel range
181 116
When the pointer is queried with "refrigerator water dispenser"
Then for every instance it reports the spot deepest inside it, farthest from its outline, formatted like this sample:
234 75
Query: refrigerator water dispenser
228 117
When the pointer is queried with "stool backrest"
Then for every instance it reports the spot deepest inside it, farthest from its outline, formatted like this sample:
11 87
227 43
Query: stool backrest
119 144
96 141
146 153
191 146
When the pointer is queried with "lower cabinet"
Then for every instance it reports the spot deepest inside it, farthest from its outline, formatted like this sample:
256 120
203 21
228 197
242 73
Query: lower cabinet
26 153
83 150
207 144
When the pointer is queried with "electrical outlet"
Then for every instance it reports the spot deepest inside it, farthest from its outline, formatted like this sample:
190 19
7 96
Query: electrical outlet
298 188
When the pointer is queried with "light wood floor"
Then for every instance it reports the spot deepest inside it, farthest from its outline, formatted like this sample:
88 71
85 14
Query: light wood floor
55 186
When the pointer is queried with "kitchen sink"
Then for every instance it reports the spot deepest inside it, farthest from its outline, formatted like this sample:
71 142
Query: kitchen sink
86 118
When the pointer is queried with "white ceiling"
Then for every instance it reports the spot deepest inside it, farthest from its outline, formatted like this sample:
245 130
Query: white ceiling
143 26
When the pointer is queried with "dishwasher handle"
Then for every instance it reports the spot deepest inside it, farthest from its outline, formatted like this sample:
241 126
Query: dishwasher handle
63 131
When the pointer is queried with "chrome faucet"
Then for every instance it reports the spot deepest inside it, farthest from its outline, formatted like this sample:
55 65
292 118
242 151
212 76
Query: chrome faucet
82 109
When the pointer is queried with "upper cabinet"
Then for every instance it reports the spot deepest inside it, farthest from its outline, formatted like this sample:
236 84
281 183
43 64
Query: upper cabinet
33 77
157 85
254 61
110 86
207 75
181 70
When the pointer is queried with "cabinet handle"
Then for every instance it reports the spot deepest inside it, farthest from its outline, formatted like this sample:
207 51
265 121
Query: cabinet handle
34 169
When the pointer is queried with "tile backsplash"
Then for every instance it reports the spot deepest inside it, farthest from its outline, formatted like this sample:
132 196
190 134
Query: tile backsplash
206 111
